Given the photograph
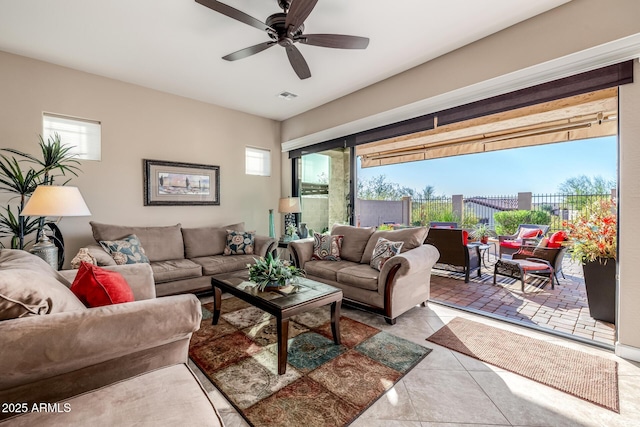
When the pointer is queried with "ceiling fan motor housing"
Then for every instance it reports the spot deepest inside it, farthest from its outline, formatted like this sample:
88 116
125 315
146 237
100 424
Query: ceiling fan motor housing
277 22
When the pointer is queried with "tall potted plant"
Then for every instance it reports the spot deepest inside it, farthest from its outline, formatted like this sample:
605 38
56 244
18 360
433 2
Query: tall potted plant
594 236
56 161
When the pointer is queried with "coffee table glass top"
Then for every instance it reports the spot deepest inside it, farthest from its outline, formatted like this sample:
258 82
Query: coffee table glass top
302 291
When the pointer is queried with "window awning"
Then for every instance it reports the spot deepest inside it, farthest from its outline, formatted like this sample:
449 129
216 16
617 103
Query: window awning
583 116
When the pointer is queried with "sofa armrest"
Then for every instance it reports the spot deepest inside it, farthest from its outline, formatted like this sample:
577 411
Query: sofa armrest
264 245
138 276
51 345
418 261
301 251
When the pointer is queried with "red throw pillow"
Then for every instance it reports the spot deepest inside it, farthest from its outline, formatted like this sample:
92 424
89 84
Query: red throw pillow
465 237
531 234
95 286
556 239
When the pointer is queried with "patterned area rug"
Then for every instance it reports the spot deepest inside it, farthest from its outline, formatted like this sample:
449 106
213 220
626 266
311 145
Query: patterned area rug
589 377
325 384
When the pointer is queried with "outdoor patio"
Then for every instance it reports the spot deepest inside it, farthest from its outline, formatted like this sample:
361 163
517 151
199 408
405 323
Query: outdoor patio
563 309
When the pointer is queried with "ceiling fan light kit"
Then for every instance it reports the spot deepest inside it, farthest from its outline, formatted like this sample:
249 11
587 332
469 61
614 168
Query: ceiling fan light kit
285 29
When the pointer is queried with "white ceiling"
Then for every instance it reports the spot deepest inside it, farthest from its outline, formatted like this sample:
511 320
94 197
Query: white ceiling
176 45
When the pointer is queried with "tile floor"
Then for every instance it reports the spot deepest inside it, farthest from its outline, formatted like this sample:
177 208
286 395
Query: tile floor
563 309
448 389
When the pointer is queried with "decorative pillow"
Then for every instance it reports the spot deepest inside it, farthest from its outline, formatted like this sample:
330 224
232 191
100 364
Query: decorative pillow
465 237
126 251
96 287
240 242
326 247
556 239
384 250
543 243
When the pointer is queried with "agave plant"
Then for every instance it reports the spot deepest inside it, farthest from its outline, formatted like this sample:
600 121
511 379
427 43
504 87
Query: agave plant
57 160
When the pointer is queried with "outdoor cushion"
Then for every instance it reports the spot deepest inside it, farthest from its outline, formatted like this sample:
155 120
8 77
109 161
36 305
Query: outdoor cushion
557 238
411 237
177 269
465 237
326 270
354 242
513 244
529 233
159 243
360 276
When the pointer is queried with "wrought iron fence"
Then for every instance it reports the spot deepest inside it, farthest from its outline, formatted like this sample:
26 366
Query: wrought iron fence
424 211
564 207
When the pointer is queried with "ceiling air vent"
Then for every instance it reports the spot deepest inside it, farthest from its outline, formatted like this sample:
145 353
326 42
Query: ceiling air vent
287 95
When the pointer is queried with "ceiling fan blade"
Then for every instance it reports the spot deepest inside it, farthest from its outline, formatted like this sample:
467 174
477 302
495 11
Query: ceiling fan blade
252 50
338 41
235 14
297 13
298 63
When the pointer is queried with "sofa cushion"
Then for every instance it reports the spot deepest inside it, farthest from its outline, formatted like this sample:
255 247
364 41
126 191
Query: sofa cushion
218 264
97 287
29 286
326 247
326 270
354 241
384 250
360 276
240 243
175 269
129 250
411 238
556 239
160 243
207 241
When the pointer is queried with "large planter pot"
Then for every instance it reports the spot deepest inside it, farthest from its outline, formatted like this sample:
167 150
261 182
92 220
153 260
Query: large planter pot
600 281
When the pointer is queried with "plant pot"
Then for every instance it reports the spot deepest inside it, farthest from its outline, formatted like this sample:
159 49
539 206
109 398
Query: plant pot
600 282
484 240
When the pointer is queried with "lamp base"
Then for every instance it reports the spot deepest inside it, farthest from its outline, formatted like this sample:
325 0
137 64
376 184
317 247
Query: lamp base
46 250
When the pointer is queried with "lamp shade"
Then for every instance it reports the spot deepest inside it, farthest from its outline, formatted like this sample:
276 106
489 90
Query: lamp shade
289 205
56 200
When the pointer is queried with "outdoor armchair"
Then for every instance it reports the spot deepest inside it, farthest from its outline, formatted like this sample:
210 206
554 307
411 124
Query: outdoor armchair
526 233
454 252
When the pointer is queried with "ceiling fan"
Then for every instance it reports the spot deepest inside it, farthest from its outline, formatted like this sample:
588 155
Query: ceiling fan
285 29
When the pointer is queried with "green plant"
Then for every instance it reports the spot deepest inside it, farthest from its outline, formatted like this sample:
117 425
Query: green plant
273 271
594 232
56 161
507 222
481 230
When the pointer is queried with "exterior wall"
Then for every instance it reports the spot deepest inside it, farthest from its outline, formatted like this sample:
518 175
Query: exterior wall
372 213
137 124
315 212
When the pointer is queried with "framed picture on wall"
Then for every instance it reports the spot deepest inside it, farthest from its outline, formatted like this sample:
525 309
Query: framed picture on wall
173 183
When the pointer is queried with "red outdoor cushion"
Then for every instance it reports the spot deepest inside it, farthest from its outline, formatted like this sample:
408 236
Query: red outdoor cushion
465 237
557 238
529 234
512 244
96 287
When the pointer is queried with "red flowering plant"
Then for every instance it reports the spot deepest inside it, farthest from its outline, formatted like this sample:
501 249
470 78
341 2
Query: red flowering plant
594 232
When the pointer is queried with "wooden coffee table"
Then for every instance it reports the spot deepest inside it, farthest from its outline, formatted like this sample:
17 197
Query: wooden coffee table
281 305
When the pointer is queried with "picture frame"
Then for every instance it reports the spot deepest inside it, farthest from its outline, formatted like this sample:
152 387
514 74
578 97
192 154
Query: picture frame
179 184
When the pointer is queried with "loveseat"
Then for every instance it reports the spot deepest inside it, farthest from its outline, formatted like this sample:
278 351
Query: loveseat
67 365
402 283
182 259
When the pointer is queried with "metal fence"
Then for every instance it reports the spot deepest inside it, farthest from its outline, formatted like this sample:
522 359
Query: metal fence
471 210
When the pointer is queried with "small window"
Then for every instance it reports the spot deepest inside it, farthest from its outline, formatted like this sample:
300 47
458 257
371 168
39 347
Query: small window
258 161
81 134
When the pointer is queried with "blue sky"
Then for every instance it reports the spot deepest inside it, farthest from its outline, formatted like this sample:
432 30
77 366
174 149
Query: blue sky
539 169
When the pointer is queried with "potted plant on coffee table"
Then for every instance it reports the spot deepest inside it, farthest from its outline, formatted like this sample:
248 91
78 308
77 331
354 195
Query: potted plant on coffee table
594 238
272 272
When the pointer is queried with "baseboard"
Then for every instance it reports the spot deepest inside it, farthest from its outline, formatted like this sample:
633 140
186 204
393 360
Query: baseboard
628 352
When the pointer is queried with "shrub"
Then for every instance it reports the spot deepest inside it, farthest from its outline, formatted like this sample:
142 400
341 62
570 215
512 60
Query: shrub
507 222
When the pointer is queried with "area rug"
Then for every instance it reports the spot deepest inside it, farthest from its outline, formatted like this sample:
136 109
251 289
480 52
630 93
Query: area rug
589 377
324 385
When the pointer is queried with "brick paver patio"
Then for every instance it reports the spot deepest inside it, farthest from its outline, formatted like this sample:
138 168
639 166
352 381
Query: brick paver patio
563 309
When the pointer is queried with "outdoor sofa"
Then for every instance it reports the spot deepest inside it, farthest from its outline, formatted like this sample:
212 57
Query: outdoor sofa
402 283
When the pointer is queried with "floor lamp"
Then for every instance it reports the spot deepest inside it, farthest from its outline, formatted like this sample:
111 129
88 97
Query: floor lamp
53 201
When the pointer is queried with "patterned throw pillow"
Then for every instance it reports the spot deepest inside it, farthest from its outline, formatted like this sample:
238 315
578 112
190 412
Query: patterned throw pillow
240 242
326 247
126 251
384 250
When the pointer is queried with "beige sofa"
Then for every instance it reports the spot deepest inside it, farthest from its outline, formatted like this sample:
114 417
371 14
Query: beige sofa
401 284
124 364
182 259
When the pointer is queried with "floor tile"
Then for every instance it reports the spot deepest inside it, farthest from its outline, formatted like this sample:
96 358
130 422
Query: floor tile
393 405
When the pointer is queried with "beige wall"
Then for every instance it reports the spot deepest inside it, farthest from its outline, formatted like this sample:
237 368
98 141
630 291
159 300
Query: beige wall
573 27
140 123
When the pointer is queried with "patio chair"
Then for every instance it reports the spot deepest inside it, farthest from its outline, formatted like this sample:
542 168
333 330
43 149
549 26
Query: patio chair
551 256
525 234
454 252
